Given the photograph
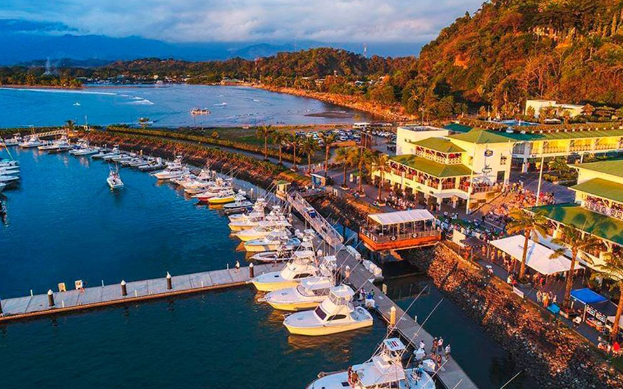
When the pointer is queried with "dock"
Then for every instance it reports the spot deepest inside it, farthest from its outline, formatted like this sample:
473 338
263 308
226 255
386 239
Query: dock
47 304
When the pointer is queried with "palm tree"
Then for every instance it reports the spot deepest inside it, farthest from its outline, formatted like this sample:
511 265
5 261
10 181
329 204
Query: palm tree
574 240
328 138
143 122
526 222
344 156
293 140
308 147
612 269
363 160
380 161
264 132
279 137
70 125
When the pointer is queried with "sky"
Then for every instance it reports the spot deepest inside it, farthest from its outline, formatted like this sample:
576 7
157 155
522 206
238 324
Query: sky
373 21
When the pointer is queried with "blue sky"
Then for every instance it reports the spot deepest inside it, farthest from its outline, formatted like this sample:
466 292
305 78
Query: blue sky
246 20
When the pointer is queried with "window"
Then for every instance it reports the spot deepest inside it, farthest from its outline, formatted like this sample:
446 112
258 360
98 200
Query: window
336 317
321 314
471 161
302 275
503 160
500 177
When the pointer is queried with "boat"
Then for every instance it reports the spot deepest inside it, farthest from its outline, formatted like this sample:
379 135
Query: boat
239 205
199 111
114 181
83 148
224 197
152 165
14 141
59 146
296 270
9 163
262 230
9 171
307 295
8 179
283 254
334 315
213 191
173 170
107 156
31 142
383 370
271 242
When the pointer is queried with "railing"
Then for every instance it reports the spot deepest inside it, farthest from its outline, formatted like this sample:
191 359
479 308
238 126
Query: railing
448 185
613 212
609 146
438 158
385 238
554 150
318 223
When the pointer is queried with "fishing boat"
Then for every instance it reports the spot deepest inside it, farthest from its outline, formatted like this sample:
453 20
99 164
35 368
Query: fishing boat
262 230
59 146
307 295
108 156
173 170
152 165
9 142
9 163
31 142
296 270
334 315
283 253
240 205
199 111
9 171
271 242
8 179
224 197
383 370
114 181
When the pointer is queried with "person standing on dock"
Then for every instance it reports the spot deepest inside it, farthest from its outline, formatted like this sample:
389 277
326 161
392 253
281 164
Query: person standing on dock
237 266
433 349
440 345
448 350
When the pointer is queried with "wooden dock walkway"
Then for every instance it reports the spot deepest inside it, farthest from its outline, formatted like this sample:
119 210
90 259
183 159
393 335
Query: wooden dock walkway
451 374
108 295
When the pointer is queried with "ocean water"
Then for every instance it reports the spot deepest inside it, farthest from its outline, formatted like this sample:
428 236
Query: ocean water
164 105
65 224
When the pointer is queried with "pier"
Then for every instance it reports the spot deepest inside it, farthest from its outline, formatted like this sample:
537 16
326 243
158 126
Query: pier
53 303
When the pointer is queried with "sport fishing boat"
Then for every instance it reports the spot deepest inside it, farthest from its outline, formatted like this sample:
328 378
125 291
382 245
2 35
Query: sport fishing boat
152 165
31 142
173 170
284 253
224 197
83 151
8 179
114 181
14 141
9 163
107 156
272 242
9 171
335 314
383 370
296 270
262 230
60 145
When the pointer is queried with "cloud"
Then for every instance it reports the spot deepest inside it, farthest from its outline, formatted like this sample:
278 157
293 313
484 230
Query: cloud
248 20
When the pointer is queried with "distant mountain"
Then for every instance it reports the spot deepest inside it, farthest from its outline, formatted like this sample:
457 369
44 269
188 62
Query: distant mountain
23 42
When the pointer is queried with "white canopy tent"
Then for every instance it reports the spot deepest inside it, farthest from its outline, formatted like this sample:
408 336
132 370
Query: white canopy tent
389 218
537 257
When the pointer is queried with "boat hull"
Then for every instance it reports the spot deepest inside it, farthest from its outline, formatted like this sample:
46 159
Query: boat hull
256 248
327 330
221 200
294 306
270 282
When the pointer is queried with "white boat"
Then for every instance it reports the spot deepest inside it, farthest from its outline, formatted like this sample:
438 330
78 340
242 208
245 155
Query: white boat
84 150
383 370
307 295
334 315
31 142
283 253
114 181
8 179
9 171
173 170
239 202
9 163
296 270
108 156
59 146
262 230
271 242
152 165
14 141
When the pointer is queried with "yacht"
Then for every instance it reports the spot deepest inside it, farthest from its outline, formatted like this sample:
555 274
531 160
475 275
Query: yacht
8 179
114 181
107 156
6 163
272 242
173 170
199 111
307 295
83 151
383 370
60 145
9 171
262 230
224 197
14 141
335 314
296 270
31 142
152 165
284 253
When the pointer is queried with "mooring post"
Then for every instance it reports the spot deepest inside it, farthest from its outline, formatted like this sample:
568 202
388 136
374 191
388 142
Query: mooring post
124 288
392 316
50 298
0 307
169 281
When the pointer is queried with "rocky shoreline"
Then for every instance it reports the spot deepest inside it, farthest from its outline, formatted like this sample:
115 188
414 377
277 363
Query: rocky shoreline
550 353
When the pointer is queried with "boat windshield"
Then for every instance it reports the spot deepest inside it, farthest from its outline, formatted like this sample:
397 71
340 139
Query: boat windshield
321 314
304 291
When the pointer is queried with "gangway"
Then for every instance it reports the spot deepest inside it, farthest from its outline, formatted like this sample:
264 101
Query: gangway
315 220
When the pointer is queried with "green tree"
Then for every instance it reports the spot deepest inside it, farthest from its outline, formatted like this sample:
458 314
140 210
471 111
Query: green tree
525 222
293 140
143 122
380 162
309 145
576 241
70 124
328 138
265 132
279 137
344 156
612 270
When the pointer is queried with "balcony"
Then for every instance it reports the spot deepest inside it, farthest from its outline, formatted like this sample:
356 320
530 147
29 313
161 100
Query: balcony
606 146
602 209
448 185
554 150
580 148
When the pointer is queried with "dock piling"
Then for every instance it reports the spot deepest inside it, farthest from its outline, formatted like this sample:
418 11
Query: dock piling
50 298
169 281
251 271
392 316
124 288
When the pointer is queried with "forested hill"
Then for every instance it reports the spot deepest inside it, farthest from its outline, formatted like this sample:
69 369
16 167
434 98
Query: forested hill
510 50
507 52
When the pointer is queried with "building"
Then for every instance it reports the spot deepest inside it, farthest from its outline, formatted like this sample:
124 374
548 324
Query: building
598 207
538 105
400 230
465 162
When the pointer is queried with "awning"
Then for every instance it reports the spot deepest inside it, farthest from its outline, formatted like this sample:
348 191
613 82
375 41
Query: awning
587 296
389 218
537 257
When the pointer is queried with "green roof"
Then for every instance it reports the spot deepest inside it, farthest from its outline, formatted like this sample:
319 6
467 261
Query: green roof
477 135
594 223
456 127
482 136
613 167
433 168
601 188
439 144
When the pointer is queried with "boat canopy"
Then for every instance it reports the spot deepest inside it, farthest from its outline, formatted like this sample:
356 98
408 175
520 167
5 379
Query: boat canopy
382 371
390 218
538 256
315 283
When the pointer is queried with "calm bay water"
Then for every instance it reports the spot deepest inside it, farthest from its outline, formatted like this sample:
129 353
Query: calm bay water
65 224
165 105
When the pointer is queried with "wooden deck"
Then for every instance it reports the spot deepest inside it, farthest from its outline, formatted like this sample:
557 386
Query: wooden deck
451 375
104 296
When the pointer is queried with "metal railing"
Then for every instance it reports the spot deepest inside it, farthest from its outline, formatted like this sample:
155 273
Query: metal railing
316 221
384 238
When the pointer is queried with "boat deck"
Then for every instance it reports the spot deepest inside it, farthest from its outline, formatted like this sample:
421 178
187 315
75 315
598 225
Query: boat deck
109 295
451 375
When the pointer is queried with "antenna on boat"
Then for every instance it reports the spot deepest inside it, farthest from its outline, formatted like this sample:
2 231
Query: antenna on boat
509 381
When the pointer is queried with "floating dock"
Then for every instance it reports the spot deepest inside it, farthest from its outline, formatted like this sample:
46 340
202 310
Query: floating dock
104 296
